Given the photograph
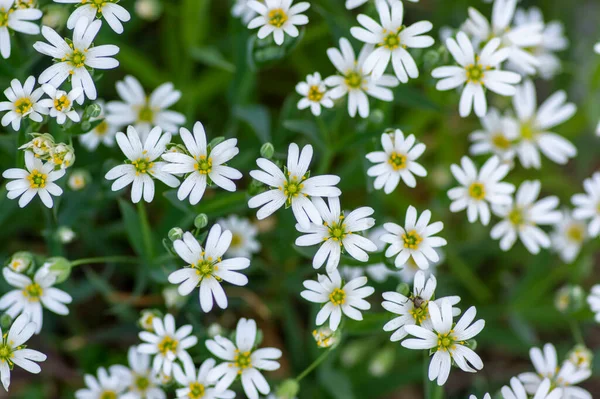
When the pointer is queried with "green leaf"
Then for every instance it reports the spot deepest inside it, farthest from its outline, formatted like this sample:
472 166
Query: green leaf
259 119
211 56
132 226
335 382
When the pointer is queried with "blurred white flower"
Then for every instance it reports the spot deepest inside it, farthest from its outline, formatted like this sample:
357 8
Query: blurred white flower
243 236
568 237
65 234
325 337
351 4
107 385
23 101
78 179
495 138
587 206
580 355
12 17
241 10
197 385
278 17
477 189
314 94
594 301
149 10
103 133
141 381
60 103
113 13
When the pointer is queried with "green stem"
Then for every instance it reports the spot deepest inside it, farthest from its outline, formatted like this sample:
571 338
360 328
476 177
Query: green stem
314 364
577 334
146 233
105 259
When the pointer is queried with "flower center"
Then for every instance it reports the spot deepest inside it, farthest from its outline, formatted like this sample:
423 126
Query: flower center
62 103
6 352
391 40
196 390
477 191
575 233
337 231
446 341
23 105
236 240
77 59
397 161
411 239
146 114
338 297
516 217
142 165
108 395
33 292
420 310
527 131
206 267
292 188
37 179
3 17
353 79
203 165
142 383
24 4
500 141
101 129
242 360
315 94
98 4
277 17
168 344
475 73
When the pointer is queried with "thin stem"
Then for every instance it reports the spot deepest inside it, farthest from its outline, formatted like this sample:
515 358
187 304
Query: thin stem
314 364
105 259
146 233
577 334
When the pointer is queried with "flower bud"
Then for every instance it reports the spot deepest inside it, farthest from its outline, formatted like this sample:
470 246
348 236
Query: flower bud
175 234
41 145
172 298
214 329
569 299
201 221
325 337
581 357
288 389
65 234
216 141
5 322
403 289
267 150
376 117
62 155
78 179
382 362
92 111
58 266
431 58
471 344
149 10
20 262
147 317
55 16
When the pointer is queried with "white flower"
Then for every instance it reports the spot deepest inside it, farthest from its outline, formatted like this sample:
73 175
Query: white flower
594 301
73 61
65 234
522 217
396 162
107 385
32 295
292 187
103 133
580 355
325 337
202 165
278 17
587 206
486 396
351 4
36 179
78 179
141 166
241 359
414 309
243 236
447 341
348 299
206 268
60 103
141 381
391 39
23 101
415 240
241 10
166 343
12 350
410 269
563 377
112 12
337 234
13 18
354 81
532 124
142 111
476 72
495 138
568 237
518 39
314 94
480 188
197 385
517 390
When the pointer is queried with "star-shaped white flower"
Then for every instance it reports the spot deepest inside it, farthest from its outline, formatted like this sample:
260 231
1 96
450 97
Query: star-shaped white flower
587 206
278 17
107 385
23 101
141 381
314 94
197 385
18 20
113 13
60 103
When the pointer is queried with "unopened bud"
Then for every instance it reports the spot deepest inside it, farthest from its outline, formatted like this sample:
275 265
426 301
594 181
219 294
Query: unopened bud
267 150
325 337
58 266
147 318
92 111
403 289
78 179
173 299
65 234
288 389
175 234
382 362
216 141
149 10
569 299
581 357
20 262
201 221
214 329
376 117
472 344
5 321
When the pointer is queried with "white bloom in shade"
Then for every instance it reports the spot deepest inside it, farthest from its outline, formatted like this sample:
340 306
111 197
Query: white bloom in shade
517 39
495 138
241 10
23 101
337 233
517 390
477 189
410 269
166 343
197 385
139 378
12 350
414 309
107 385
202 165
476 72
580 355
587 206
112 12
352 4
314 94
447 341
17 20
141 166
568 237
278 17
142 111
396 162
292 187
594 301
103 133
415 240
522 218
60 103
532 124
76 59
243 236
36 179
206 268
242 359
354 81
486 396
32 295
391 40
348 299
564 377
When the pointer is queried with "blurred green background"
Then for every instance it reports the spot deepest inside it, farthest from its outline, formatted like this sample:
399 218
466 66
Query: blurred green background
238 90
